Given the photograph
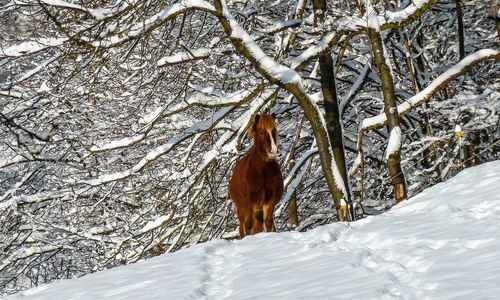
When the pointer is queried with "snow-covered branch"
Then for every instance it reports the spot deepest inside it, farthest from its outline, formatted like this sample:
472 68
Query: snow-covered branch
352 24
232 99
97 13
24 253
325 44
11 94
11 191
140 28
409 14
268 67
436 85
40 197
163 149
183 57
31 47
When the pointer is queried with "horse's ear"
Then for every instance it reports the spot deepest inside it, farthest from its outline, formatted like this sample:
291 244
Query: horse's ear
253 125
256 119
255 122
273 115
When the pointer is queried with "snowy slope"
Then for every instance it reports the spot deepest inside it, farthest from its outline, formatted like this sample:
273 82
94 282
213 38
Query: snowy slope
442 244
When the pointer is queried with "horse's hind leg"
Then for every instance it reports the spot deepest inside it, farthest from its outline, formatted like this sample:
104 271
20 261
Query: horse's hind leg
241 219
269 216
258 219
245 219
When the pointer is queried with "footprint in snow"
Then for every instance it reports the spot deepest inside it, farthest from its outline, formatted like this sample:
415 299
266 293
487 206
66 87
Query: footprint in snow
218 264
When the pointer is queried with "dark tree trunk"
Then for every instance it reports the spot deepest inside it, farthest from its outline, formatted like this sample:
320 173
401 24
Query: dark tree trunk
332 118
461 43
332 114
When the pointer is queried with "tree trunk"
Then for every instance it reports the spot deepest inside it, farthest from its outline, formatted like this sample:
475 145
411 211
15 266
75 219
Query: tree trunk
332 119
293 218
470 149
332 114
461 40
391 111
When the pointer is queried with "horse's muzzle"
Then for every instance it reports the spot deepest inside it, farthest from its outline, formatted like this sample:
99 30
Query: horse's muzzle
272 155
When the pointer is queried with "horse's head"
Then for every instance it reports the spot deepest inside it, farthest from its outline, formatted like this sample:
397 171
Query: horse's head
263 131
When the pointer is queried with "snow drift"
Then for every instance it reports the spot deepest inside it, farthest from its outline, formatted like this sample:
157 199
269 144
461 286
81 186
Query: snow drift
440 244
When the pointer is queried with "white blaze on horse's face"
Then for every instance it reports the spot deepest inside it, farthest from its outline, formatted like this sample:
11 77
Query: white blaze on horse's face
274 149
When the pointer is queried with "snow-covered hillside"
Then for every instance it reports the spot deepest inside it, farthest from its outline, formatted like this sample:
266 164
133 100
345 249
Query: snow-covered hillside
442 244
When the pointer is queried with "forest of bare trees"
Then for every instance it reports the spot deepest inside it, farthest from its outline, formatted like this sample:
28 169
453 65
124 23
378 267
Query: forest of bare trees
120 121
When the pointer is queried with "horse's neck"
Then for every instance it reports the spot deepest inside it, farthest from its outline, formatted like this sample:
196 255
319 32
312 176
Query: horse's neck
258 159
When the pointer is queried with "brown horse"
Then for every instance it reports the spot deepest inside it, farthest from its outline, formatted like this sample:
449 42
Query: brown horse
257 185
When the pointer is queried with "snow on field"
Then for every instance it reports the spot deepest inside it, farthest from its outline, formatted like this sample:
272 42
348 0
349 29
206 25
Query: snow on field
442 244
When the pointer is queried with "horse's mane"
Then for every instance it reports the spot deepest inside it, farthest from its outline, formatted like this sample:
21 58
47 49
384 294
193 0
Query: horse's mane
264 122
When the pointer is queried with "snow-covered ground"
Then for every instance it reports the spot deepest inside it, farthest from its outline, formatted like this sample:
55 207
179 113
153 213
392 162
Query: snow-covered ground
442 244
